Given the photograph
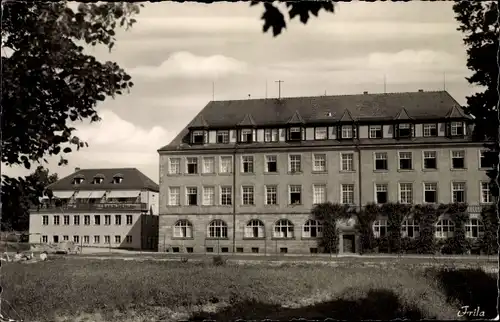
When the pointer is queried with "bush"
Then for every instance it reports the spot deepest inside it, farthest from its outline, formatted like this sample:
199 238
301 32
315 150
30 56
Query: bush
382 244
219 261
409 245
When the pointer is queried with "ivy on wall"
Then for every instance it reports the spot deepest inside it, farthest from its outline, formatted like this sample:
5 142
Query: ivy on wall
364 226
426 217
489 242
396 213
329 213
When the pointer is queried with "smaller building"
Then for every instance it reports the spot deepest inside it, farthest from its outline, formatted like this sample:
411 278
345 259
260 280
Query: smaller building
116 208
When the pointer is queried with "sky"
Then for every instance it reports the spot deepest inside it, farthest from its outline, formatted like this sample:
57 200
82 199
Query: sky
180 55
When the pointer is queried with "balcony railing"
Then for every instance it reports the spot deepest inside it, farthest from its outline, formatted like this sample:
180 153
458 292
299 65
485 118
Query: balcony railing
74 207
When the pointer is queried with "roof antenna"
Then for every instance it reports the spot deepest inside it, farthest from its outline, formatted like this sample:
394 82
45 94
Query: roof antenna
266 89
444 81
385 85
213 91
279 87
248 96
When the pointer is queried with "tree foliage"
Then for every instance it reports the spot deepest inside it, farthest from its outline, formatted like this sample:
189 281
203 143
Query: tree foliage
19 194
479 21
328 214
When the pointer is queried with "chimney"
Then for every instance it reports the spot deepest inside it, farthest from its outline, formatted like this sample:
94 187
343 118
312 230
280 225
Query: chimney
420 90
77 169
365 92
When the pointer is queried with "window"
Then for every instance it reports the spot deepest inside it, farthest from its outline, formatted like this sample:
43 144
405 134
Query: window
208 196
118 239
319 194
76 220
347 191
283 250
474 228
128 239
485 159
226 196
217 229
223 137
174 166
381 193
76 239
283 228
381 161
444 228
97 220
246 136
118 220
98 180
295 163
271 163
183 229
65 238
189 249
430 160
117 179
247 195
45 239
129 219
209 165
406 193
198 137
430 130
97 239
247 163
192 165
375 131
226 164
486 196
271 195
78 180
107 220
347 161
86 220
295 194
45 220
239 249
55 239
404 130
458 191
271 135
458 159
66 220
380 228
430 192
347 132
86 240
319 162
254 229
209 249
405 159
295 134
192 196
255 250
107 239
174 196
312 229
56 220
321 133
410 228
457 128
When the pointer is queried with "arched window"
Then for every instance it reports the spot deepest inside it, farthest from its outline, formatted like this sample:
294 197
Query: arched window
283 228
474 228
445 228
312 229
183 229
254 229
410 228
380 228
217 229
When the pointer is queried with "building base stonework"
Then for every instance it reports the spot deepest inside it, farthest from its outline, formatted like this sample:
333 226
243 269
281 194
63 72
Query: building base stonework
200 242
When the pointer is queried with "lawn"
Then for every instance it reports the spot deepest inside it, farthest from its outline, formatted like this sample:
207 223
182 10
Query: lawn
66 289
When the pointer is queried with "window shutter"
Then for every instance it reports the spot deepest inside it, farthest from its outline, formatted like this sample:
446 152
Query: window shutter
396 131
448 129
303 133
412 128
205 137
339 132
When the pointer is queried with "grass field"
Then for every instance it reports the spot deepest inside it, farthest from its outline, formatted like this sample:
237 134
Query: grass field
78 289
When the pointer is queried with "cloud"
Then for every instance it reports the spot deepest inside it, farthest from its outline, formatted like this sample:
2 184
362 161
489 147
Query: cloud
183 64
114 140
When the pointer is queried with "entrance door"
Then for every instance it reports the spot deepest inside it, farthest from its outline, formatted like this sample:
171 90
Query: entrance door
348 243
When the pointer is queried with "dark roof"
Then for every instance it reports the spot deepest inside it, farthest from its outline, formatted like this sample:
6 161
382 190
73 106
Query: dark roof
198 121
361 107
247 121
296 119
133 179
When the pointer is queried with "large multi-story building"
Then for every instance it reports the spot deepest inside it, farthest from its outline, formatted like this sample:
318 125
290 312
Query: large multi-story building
116 208
244 175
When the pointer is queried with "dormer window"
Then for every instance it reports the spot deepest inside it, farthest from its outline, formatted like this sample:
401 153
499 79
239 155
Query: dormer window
271 135
117 179
78 180
98 180
295 134
457 128
375 131
348 132
246 135
321 133
198 137
223 137
404 130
